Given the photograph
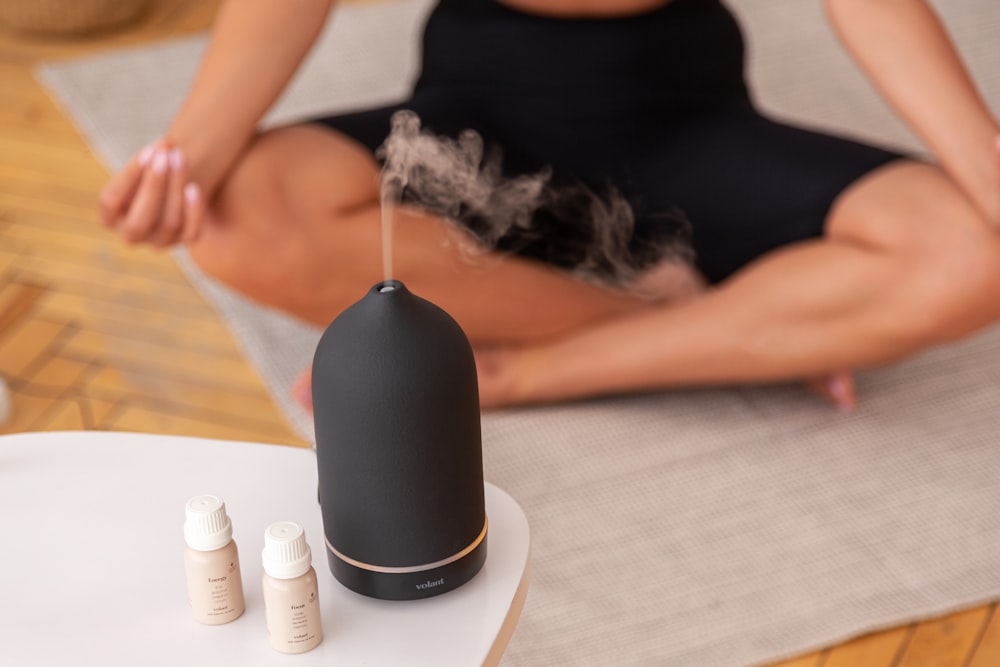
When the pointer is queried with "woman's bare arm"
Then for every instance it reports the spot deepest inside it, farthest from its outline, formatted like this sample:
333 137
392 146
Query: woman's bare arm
160 196
256 47
904 49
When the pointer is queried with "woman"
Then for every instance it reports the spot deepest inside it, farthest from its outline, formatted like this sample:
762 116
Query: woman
813 256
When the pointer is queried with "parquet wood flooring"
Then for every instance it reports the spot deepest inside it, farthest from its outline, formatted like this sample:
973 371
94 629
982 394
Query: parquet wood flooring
94 335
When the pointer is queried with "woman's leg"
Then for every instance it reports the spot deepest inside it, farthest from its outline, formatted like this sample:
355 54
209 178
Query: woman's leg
297 226
906 262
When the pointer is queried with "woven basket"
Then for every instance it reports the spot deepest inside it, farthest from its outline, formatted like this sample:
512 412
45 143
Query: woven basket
68 17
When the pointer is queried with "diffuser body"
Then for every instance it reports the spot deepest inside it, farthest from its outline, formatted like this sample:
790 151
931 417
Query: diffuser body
399 448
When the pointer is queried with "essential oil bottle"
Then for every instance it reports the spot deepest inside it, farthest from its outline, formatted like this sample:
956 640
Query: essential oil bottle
291 597
212 562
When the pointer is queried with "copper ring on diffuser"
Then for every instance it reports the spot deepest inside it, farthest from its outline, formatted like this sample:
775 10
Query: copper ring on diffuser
412 568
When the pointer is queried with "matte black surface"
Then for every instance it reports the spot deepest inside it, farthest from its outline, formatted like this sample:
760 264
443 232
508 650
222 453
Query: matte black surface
398 440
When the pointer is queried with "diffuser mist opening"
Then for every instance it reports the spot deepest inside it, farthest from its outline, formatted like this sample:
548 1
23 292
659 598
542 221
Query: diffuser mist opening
388 286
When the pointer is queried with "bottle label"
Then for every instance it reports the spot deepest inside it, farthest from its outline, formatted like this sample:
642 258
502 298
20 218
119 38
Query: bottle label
301 615
215 587
293 617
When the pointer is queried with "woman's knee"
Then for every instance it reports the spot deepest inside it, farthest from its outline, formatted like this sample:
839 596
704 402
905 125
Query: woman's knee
957 284
289 185
296 174
901 207
274 216
944 257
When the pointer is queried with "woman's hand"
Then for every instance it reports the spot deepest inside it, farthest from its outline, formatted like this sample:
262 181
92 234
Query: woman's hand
152 201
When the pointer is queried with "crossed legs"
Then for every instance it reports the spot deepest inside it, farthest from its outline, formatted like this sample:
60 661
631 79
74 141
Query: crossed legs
906 262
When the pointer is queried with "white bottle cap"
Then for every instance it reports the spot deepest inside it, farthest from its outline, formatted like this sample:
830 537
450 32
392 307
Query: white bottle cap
286 554
208 526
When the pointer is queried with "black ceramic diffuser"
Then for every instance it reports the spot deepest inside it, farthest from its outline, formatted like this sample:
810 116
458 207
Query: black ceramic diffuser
399 447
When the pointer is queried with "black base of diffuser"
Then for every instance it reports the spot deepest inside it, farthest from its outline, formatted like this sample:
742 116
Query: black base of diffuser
408 585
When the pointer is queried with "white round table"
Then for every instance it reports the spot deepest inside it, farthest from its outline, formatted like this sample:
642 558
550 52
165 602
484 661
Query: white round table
92 569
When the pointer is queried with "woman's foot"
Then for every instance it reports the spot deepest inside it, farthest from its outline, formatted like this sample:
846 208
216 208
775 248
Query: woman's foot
496 379
302 390
838 389
668 282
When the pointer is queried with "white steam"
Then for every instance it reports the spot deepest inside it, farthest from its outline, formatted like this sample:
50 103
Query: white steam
571 226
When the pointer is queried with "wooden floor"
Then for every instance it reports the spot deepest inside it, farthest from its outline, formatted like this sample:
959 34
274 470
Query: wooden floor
94 335
97 336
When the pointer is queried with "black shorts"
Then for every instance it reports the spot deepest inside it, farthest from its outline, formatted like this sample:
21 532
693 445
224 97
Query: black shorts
653 106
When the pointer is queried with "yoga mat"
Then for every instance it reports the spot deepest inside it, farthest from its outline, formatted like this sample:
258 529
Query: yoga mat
697 527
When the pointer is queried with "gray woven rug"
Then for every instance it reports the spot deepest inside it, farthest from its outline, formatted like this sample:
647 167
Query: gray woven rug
703 527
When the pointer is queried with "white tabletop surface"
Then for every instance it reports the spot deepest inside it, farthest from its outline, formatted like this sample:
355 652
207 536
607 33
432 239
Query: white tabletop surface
92 572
